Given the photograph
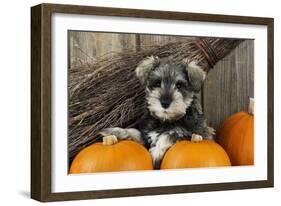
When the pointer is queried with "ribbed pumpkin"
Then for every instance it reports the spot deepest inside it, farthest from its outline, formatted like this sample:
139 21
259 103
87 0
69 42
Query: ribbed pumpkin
236 136
123 156
187 154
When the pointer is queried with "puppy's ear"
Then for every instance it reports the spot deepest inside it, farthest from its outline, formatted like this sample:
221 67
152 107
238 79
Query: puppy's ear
196 75
145 66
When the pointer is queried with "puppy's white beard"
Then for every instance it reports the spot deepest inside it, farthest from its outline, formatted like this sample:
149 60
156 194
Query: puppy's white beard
178 107
154 105
175 111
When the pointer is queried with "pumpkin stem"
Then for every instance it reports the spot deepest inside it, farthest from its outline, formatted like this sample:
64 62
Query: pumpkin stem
109 140
251 106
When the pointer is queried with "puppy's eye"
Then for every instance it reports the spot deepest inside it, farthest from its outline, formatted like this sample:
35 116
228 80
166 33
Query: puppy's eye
156 83
180 85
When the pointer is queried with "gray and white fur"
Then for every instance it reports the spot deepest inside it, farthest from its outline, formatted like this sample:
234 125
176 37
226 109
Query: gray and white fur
173 110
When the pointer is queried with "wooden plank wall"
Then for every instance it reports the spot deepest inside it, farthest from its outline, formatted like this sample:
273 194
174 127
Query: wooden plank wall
230 84
227 87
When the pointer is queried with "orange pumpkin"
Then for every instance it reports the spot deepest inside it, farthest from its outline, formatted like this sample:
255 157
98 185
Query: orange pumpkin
123 156
236 136
187 154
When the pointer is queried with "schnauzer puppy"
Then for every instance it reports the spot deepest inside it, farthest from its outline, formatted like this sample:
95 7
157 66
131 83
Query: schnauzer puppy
173 110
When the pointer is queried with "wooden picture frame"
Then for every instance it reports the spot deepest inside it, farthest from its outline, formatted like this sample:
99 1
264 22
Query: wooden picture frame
41 178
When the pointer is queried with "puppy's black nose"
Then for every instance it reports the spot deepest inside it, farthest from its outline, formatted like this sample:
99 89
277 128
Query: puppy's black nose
165 104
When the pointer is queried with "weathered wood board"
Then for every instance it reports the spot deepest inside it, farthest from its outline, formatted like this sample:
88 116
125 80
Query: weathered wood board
87 46
229 84
147 40
227 87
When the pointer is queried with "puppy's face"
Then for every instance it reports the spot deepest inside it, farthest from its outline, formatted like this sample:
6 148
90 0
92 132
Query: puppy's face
169 88
168 92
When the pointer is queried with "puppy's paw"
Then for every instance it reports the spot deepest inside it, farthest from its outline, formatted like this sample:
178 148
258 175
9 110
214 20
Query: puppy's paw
109 140
196 138
211 131
116 131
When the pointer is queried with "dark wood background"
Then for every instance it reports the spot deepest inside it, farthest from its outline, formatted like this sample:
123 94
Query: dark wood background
228 85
